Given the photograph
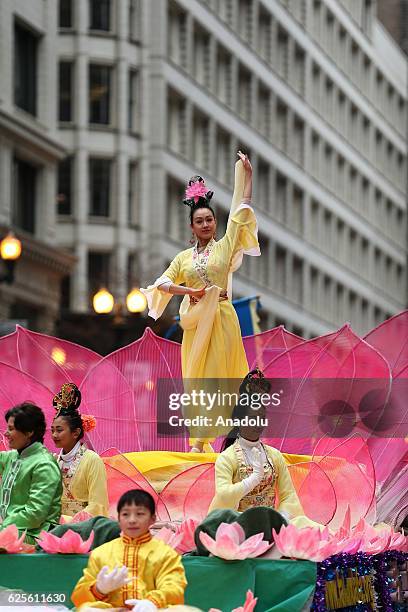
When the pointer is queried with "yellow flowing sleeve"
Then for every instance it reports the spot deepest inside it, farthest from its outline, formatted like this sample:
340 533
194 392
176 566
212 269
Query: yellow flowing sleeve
170 580
227 493
157 299
288 500
242 227
98 503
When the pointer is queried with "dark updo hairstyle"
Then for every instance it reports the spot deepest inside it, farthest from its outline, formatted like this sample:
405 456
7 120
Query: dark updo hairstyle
254 382
28 417
66 403
203 199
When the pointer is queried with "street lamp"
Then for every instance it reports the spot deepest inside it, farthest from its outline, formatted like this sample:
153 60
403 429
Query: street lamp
136 301
104 302
10 251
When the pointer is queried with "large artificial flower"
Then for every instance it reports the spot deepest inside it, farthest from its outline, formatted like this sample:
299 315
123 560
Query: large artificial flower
307 543
11 542
69 543
196 190
230 543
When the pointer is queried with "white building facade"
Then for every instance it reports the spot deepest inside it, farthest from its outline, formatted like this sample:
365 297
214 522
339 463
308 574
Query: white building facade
30 152
154 91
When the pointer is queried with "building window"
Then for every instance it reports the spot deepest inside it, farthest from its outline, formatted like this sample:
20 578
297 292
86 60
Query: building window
24 195
100 15
134 19
177 36
98 271
66 17
25 69
65 91
100 186
132 194
64 195
99 94
132 100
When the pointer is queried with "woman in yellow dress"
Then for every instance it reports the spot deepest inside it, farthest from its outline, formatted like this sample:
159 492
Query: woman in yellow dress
250 474
83 471
212 345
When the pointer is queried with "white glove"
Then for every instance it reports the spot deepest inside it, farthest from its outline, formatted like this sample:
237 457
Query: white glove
110 581
257 472
141 605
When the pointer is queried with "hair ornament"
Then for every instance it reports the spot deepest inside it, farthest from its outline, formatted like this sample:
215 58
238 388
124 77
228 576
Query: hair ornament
196 191
254 382
69 398
67 402
88 422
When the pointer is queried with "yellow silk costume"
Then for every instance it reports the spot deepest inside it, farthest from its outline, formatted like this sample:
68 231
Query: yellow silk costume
212 345
157 569
276 489
84 485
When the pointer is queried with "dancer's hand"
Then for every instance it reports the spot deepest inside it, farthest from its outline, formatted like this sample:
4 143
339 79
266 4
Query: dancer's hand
197 293
110 581
257 464
252 481
247 164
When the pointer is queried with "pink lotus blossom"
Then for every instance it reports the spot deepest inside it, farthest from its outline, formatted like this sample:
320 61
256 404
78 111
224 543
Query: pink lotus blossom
69 543
307 543
230 543
11 542
187 530
196 191
81 516
169 537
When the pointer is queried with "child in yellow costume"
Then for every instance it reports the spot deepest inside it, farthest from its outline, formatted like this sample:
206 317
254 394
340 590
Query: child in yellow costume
133 571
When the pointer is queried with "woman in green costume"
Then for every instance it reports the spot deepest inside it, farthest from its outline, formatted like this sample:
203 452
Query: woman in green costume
30 479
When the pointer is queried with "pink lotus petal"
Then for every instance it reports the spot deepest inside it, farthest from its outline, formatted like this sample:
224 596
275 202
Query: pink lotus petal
187 531
81 516
299 543
225 549
398 542
169 537
234 531
10 541
69 543
254 546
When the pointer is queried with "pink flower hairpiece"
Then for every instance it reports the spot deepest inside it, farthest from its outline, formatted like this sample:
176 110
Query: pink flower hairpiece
196 190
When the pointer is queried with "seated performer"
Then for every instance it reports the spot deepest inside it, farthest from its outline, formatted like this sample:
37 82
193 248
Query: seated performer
249 473
30 480
134 570
83 471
